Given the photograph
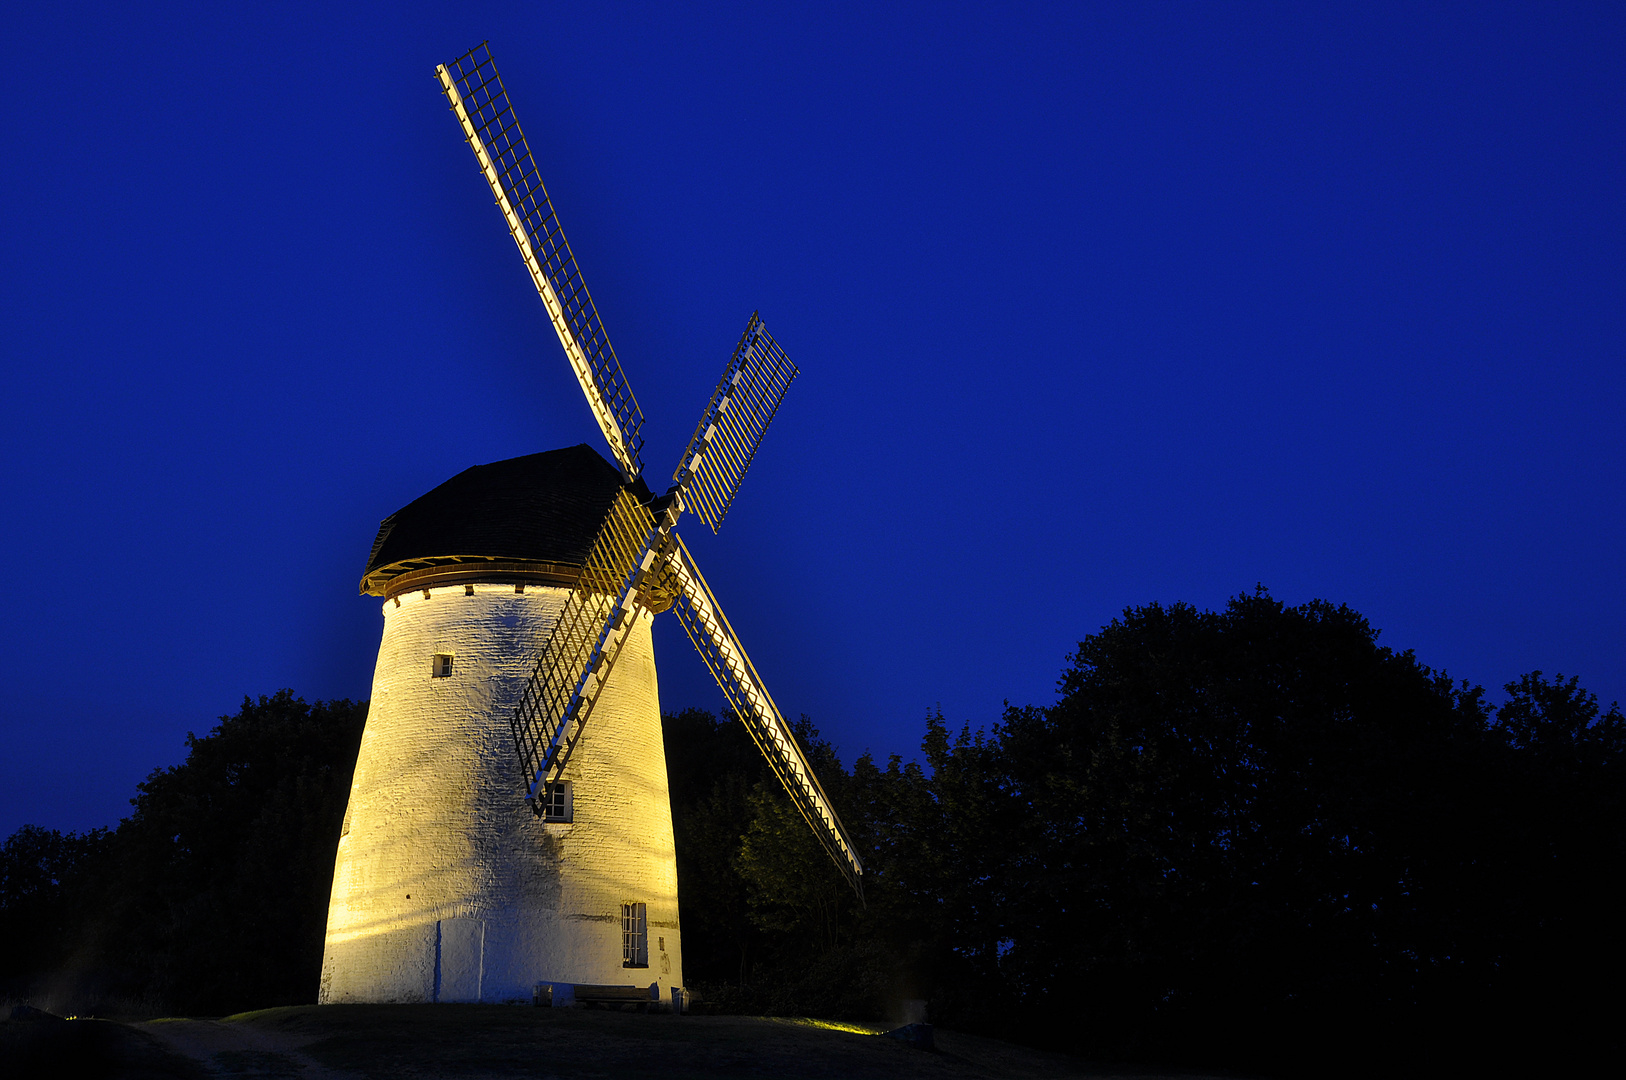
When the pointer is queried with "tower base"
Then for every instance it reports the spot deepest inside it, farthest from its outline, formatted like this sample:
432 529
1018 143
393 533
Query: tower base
447 885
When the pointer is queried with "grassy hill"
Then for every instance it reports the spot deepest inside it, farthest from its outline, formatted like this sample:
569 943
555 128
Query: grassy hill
400 1042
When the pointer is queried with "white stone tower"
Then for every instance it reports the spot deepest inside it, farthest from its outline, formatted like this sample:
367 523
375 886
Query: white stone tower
448 886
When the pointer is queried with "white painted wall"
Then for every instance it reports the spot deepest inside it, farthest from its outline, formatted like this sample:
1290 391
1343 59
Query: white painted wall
446 886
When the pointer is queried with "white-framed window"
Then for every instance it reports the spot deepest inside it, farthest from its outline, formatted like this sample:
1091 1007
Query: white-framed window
634 936
442 667
556 801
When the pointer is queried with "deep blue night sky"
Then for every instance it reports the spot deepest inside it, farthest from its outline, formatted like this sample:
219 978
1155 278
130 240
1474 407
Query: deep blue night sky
1093 308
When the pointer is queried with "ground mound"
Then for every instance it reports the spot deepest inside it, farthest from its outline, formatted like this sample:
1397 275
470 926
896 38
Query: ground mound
404 1042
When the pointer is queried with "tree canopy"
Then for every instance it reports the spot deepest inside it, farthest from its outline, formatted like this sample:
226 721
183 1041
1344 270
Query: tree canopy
212 895
1237 837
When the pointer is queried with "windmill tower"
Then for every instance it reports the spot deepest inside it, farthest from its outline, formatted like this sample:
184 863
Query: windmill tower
488 845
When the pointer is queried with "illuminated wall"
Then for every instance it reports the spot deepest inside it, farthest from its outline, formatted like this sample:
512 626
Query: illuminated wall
447 887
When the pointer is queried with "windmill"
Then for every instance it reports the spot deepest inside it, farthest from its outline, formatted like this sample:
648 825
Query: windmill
525 589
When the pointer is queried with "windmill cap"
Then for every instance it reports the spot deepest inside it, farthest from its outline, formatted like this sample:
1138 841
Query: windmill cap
528 518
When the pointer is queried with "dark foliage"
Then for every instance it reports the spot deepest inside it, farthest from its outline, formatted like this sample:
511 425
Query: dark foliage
44 883
1251 837
212 895
760 897
712 769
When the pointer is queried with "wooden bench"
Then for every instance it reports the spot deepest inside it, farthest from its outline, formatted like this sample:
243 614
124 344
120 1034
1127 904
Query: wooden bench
567 994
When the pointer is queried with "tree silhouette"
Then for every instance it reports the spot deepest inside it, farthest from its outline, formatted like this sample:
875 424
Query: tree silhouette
212 895
1251 837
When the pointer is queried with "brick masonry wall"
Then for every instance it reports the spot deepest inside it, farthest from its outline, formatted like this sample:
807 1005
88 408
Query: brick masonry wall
446 886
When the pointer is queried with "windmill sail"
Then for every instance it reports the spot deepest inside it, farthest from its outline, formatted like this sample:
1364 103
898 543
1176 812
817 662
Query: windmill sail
741 408
709 630
476 93
621 575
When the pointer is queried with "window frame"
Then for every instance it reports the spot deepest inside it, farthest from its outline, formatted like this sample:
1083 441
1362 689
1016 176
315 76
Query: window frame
566 802
634 934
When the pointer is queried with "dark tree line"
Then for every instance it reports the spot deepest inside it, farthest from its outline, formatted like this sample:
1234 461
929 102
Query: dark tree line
211 897
1251 837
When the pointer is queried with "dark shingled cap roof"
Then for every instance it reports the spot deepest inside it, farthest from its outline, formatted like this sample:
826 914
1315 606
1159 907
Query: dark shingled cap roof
539 511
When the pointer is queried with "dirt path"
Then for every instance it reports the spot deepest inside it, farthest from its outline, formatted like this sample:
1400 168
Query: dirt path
494 1042
235 1049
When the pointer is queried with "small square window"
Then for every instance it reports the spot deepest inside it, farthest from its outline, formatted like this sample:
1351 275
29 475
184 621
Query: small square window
556 801
442 667
634 936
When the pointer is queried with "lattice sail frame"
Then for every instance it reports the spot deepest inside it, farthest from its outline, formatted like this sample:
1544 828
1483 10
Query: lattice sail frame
636 561
717 644
731 428
475 90
622 575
